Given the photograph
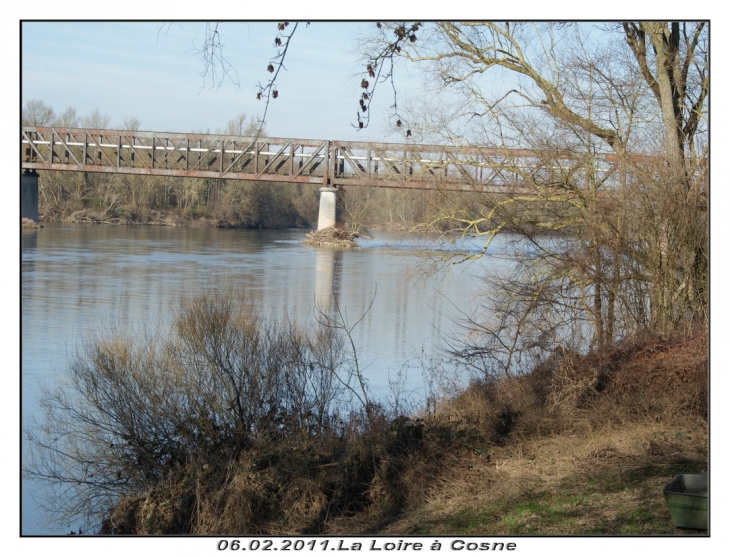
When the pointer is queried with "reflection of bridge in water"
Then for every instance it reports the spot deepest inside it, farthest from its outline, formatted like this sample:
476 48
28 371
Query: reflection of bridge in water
327 279
331 164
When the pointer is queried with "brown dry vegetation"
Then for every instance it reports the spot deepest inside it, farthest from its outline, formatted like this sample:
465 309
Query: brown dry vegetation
582 445
332 236
117 199
120 200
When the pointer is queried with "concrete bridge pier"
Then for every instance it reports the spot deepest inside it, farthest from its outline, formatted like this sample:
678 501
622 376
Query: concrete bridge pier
327 208
29 195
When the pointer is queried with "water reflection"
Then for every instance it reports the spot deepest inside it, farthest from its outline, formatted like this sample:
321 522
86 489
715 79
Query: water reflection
28 244
79 280
328 276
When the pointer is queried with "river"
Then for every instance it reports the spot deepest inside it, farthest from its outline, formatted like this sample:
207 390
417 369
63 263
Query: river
78 280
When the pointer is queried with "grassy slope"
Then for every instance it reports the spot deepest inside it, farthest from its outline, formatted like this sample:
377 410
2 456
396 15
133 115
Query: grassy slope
596 482
598 469
582 445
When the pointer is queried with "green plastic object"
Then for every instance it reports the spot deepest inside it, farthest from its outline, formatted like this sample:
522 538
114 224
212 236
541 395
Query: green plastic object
687 498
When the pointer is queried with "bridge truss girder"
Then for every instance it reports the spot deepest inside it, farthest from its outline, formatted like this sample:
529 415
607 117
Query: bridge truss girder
285 160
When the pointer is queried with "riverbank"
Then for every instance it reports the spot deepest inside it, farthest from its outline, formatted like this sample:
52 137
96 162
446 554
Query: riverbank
195 219
343 238
581 445
591 458
151 217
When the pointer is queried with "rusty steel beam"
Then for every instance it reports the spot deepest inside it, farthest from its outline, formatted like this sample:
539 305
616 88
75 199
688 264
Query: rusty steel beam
271 159
178 173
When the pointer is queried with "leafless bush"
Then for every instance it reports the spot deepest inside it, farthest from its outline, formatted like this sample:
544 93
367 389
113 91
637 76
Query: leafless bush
136 410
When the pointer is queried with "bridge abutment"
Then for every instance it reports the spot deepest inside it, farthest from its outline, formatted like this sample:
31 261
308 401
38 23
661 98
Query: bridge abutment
29 195
327 208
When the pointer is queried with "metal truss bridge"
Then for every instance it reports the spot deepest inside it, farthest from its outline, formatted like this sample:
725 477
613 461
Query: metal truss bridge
325 162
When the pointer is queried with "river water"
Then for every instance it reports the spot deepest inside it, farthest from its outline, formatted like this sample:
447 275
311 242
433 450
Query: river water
80 279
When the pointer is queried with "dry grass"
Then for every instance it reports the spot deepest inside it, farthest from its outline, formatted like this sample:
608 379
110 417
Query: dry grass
332 236
593 481
583 445
593 442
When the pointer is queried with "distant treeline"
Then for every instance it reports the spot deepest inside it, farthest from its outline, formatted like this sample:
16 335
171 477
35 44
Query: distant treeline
133 199
128 199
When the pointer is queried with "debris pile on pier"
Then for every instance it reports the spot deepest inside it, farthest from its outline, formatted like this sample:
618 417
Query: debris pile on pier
332 237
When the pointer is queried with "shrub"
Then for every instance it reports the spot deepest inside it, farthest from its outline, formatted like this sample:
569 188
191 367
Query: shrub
135 412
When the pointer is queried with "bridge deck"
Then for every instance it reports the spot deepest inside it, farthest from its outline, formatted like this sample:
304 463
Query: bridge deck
392 165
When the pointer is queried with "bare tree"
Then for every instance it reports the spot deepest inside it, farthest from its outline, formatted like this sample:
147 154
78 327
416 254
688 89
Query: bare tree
96 120
131 123
673 58
68 118
571 92
579 90
243 125
37 113
610 244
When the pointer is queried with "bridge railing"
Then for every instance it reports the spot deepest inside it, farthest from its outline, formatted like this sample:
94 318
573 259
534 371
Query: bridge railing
172 154
463 168
396 165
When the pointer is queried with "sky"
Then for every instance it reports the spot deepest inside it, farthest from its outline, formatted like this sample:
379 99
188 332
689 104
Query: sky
151 71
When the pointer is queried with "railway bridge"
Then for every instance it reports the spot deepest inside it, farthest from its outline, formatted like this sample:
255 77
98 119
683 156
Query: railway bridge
331 164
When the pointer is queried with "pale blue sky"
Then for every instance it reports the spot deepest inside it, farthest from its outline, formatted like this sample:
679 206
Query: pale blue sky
149 71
